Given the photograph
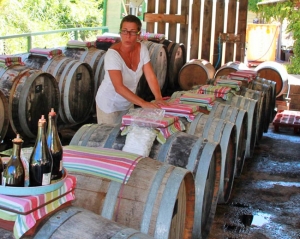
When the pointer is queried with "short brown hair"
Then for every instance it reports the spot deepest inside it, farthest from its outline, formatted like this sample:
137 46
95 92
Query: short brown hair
132 18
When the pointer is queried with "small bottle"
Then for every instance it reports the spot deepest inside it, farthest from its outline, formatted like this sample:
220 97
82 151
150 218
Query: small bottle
40 161
55 146
14 172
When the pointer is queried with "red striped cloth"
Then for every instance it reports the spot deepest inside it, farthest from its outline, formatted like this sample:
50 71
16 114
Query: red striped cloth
241 76
33 208
287 117
113 164
50 52
76 43
10 60
218 91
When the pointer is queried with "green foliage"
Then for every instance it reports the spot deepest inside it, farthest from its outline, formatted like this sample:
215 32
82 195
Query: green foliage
279 12
252 5
25 16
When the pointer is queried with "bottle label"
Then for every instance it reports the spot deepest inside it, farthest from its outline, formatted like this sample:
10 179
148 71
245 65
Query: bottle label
46 179
60 165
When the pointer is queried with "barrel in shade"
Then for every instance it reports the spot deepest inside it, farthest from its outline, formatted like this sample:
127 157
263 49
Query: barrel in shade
249 105
195 72
4 119
76 84
74 222
159 62
196 154
224 133
158 199
274 71
92 56
239 118
30 93
176 60
229 67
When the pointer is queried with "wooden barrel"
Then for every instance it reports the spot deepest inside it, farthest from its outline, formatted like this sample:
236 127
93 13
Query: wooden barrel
200 156
266 112
195 72
176 60
30 93
76 84
158 199
4 119
159 61
92 56
222 132
272 101
274 71
229 67
75 222
259 96
249 105
239 118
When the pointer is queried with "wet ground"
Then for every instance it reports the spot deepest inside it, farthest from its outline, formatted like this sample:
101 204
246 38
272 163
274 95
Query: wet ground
265 201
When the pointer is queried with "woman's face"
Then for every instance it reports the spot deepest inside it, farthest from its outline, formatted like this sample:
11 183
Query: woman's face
129 33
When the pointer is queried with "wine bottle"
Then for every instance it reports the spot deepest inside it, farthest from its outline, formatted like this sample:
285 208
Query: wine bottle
40 161
14 172
55 146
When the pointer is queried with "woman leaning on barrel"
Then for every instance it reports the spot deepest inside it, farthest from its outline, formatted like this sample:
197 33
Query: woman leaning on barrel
125 62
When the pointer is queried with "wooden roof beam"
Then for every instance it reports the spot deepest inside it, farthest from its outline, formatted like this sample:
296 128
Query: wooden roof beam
164 18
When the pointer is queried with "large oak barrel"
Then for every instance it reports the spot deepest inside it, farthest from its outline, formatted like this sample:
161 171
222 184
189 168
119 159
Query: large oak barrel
266 112
195 72
239 118
198 155
249 105
176 60
92 56
224 133
158 199
30 94
274 71
4 119
259 96
230 67
159 62
76 84
74 222
272 101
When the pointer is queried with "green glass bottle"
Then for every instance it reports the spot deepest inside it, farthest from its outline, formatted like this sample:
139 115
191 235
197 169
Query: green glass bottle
40 161
14 172
55 146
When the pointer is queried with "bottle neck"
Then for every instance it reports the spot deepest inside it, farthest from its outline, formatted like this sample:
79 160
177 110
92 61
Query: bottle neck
16 151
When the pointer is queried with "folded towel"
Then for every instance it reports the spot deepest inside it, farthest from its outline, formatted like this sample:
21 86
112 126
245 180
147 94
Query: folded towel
10 60
84 44
152 36
49 53
197 98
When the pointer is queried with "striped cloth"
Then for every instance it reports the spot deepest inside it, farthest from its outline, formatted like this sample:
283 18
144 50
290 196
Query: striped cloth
152 36
197 98
241 76
233 84
80 44
113 164
223 92
49 53
108 38
176 108
10 60
33 208
287 117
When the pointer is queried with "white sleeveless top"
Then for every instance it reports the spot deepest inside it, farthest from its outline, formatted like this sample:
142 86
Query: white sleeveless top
107 99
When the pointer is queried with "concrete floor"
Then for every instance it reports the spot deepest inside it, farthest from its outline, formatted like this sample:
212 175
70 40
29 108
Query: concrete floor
265 201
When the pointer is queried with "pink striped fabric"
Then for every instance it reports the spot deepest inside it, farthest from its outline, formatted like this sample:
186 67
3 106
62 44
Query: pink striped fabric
28 206
76 43
50 52
113 164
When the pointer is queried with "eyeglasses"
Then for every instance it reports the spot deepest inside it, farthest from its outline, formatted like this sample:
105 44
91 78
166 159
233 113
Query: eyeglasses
131 33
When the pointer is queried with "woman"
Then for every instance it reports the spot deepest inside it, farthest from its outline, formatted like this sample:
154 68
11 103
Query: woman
124 64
